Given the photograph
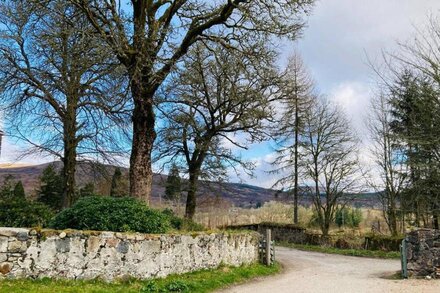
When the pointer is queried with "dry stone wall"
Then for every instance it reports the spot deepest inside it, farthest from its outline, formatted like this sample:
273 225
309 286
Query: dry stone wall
86 255
423 253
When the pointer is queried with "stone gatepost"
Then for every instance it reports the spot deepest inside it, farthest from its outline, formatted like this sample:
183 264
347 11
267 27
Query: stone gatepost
423 253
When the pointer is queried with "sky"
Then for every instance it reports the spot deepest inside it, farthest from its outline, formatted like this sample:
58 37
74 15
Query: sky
340 37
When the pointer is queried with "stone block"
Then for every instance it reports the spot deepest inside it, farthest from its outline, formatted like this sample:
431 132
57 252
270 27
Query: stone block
3 244
17 246
123 247
12 232
62 245
22 235
5 267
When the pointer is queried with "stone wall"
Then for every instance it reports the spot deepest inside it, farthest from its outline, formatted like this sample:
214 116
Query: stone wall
85 255
423 253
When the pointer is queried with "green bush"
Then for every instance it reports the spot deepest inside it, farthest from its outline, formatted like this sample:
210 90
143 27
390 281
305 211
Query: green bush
22 213
122 214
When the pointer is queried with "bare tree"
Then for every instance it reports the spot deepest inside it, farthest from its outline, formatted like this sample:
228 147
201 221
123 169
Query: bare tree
390 160
151 36
297 97
62 90
218 96
331 161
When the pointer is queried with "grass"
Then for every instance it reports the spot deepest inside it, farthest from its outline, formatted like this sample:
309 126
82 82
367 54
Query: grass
197 282
350 252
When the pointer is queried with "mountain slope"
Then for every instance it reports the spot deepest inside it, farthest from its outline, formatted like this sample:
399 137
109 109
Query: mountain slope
211 193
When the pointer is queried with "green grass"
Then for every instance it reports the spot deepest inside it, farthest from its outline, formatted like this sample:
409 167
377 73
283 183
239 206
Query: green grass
201 281
350 252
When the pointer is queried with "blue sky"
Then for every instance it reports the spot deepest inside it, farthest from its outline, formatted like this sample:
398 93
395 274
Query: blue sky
340 38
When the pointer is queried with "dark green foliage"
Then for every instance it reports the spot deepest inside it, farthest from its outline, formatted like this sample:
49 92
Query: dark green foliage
348 217
112 214
22 213
16 211
87 190
119 184
51 188
173 184
7 188
416 128
19 190
12 189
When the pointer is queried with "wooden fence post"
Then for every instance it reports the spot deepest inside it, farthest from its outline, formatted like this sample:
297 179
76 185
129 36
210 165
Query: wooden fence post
268 246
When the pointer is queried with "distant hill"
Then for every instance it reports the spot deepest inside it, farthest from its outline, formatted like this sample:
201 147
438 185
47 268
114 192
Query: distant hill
219 194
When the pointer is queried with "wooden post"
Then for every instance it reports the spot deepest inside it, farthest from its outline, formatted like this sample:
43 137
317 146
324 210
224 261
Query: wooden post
268 246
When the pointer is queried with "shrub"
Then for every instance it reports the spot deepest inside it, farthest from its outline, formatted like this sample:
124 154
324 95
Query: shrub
22 213
112 214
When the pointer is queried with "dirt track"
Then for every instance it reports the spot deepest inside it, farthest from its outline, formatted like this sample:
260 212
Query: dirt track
317 272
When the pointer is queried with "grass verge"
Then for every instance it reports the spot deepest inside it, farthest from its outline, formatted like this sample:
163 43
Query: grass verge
350 252
201 281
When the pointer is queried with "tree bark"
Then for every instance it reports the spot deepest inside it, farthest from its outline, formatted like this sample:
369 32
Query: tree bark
69 159
144 134
191 199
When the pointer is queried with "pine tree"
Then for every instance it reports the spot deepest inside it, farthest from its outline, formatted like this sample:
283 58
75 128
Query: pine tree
51 188
119 186
87 190
173 184
19 191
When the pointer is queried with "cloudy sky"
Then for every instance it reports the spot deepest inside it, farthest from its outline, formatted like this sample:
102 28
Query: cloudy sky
340 38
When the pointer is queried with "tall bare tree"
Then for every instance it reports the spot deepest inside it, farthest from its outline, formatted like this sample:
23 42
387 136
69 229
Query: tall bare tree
61 88
149 37
331 160
390 160
297 97
217 97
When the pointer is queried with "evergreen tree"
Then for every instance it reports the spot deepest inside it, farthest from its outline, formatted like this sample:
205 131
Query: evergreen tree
173 184
119 186
51 188
87 190
7 188
19 190
416 125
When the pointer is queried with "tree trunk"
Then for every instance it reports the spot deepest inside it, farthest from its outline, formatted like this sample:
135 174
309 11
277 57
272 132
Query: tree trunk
191 199
325 227
435 221
69 159
141 173
295 188
392 217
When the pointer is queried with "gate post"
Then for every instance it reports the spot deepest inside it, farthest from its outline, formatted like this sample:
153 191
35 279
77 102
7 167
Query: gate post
403 259
268 247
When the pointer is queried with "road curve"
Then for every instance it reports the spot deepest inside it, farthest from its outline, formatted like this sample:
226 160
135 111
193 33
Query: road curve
311 272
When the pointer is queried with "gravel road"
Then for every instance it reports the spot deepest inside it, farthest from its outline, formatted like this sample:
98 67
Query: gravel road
317 272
